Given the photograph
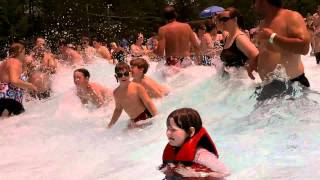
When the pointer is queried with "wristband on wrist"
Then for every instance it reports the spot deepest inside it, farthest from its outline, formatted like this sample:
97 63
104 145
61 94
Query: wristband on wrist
203 174
272 37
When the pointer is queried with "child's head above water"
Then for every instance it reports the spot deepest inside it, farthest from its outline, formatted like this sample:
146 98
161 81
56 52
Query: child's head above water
182 124
122 70
121 66
141 64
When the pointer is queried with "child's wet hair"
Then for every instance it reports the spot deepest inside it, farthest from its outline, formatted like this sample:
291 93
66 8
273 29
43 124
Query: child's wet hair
121 66
140 63
185 118
84 71
15 49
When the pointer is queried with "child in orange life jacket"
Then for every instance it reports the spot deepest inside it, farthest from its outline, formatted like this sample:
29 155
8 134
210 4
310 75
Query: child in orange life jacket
190 152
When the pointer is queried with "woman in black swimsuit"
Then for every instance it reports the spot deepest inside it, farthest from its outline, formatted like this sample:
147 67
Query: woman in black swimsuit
238 50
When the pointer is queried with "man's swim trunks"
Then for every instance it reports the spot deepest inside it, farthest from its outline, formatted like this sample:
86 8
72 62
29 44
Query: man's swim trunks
11 98
143 116
172 61
205 60
302 79
179 61
278 88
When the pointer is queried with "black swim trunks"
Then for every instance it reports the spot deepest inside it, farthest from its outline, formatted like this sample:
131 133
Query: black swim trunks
278 88
302 79
317 54
12 106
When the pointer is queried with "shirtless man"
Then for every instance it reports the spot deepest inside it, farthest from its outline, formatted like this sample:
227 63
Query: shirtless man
72 56
102 51
11 93
139 68
175 39
89 91
132 98
42 59
282 38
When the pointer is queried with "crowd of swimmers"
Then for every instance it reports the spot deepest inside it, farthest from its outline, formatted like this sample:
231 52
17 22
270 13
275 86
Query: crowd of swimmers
280 39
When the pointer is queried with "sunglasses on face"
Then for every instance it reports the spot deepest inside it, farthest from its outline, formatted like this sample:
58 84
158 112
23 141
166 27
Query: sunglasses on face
224 19
120 75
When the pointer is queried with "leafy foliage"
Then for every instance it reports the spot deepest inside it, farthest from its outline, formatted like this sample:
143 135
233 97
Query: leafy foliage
111 19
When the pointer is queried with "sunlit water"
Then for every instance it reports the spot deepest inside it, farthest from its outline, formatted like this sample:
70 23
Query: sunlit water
60 139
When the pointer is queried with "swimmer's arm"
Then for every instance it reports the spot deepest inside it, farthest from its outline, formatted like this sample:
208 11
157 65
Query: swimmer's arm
209 42
153 88
14 77
247 47
95 96
300 38
147 100
208 159
105 54
161 43
250 50
116 113
195 44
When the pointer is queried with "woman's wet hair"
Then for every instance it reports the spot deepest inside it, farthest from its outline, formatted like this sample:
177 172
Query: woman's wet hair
276 3
84 71
15 49
185 118
170 13
140 63
121 66
235 13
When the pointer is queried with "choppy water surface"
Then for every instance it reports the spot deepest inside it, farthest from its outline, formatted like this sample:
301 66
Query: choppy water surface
60 139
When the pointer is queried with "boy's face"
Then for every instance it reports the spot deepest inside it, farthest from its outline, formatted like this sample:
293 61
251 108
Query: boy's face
123 76
136 71
79 79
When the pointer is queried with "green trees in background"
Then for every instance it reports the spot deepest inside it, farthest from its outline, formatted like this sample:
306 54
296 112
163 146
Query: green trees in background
111 19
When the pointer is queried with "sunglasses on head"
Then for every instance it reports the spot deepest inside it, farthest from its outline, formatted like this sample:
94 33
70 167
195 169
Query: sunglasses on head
120 75
224 19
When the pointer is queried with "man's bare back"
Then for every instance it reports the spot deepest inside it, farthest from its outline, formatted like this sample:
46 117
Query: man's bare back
175 39
287 24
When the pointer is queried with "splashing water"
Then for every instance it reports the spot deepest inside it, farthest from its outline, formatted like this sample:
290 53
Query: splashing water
60 139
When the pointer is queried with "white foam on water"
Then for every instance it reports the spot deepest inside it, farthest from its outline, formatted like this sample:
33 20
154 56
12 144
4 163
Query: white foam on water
60 139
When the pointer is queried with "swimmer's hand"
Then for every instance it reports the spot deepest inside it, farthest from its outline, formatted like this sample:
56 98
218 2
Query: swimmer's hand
189 172
110 125
264 33
251 66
